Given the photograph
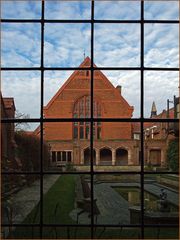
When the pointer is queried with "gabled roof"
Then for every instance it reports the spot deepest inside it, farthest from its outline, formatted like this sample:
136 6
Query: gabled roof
86 63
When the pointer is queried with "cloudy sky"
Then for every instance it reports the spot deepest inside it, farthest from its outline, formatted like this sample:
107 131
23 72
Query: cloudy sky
115 45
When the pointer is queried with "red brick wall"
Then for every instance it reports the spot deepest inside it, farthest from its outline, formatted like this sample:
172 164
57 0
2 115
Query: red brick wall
78 85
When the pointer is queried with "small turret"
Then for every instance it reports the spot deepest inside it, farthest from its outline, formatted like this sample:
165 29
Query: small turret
153 110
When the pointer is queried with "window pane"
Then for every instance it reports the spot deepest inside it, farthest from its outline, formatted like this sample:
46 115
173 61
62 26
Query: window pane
118 93
156 90
161 10
118 199
22 88
69 150
117 45
20 148
13 9
161 146
161 199
20 45
116 149
117 233
67 9
64 91
68 196
161 45
64 44
119 10
21 193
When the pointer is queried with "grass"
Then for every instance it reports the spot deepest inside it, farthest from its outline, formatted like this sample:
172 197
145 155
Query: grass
58 202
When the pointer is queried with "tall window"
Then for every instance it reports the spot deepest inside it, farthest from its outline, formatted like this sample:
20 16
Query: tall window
81 130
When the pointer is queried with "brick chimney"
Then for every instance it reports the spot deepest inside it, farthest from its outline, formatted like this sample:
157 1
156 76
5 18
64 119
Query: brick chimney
119 88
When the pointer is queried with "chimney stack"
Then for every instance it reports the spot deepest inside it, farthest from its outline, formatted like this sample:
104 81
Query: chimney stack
119 88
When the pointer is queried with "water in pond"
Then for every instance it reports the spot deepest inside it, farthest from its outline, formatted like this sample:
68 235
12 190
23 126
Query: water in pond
132 195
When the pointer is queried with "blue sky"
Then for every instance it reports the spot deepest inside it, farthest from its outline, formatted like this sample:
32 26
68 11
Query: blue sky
114 45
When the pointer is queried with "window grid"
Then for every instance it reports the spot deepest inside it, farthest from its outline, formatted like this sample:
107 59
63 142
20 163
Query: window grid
91 119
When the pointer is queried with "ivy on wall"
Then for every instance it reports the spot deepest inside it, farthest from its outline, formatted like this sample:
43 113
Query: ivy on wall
173 154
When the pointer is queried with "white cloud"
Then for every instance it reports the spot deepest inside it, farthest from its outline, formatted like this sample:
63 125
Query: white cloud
115 45
161 10
68 9
20 41
21 9
117 10
24 87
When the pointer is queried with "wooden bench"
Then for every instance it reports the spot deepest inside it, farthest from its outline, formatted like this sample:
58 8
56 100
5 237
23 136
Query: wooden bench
83 198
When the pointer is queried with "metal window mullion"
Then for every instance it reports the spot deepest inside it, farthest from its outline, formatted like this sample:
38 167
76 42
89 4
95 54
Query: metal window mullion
142 116
91 129
161 120
169 69
41 118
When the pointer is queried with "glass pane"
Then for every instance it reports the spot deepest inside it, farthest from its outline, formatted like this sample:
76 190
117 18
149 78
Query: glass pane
117 233
19 89
67 233
161 233
65 9
120 10
13 9
117 45
20 149
21 232
118 148
161 10
156 90
20 195
65 44
67 148
117 199
118 94
161 146
161 199
66 94
20 45
161 45
68 201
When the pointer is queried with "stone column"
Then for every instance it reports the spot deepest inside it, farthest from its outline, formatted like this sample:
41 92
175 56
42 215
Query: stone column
163 163
129 158
66 156
97 157
82 157
113 157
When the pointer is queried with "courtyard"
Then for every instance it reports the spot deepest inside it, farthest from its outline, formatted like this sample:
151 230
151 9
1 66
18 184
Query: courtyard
115 196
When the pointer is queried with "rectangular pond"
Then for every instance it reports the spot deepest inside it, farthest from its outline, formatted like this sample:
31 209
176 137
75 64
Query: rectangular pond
133 196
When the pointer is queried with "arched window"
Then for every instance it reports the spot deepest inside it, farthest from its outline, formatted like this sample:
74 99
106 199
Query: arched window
82 109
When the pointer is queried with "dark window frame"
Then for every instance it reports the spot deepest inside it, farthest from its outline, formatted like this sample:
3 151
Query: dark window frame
41 120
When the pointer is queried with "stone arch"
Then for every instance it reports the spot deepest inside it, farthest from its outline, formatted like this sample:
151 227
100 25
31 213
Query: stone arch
87 156
105 156
121 156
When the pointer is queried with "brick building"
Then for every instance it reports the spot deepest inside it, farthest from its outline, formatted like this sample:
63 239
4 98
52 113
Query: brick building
7 134
115 143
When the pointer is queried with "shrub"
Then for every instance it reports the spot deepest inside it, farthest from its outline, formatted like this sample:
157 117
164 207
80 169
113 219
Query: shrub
28 151
173 155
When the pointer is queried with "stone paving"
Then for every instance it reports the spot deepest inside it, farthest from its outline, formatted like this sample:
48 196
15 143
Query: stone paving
26 199
113 208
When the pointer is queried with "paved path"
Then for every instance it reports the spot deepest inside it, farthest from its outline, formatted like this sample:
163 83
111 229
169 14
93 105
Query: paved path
26 199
